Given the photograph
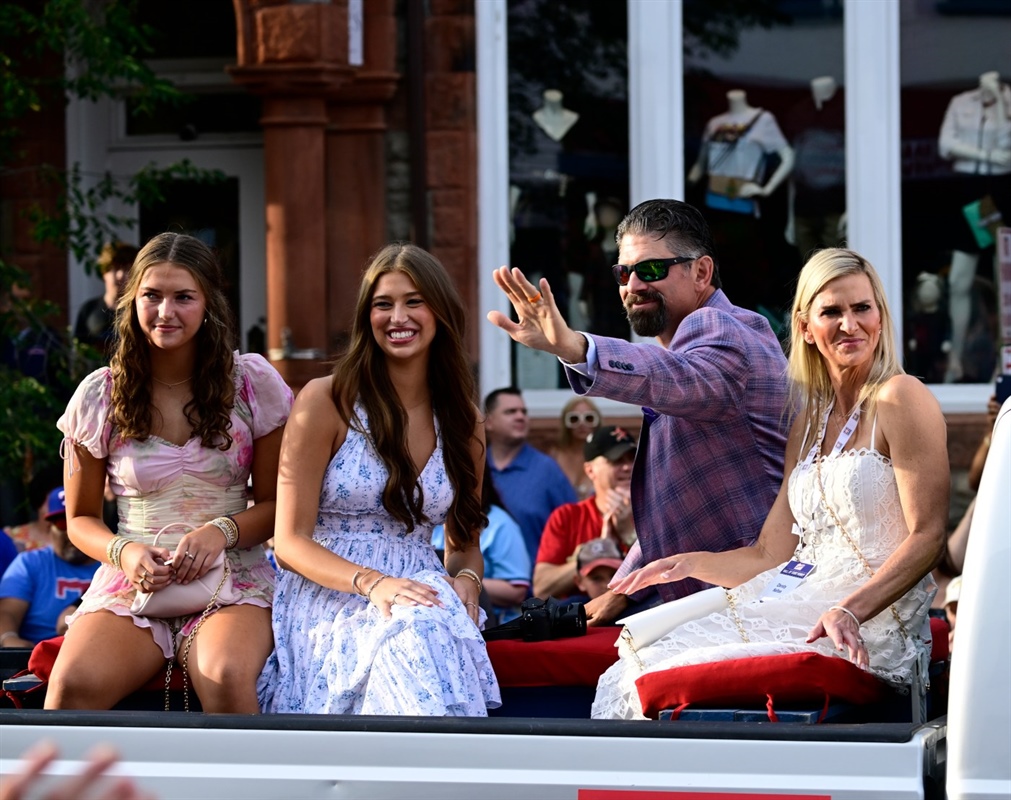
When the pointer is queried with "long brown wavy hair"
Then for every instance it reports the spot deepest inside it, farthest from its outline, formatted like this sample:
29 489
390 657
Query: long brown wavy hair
361 375
213 384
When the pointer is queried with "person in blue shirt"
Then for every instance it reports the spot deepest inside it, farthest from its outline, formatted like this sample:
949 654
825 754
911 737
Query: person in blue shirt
8 552
41 586
506 562
530 483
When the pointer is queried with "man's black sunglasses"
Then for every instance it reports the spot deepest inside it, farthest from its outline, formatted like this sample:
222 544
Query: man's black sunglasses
652 269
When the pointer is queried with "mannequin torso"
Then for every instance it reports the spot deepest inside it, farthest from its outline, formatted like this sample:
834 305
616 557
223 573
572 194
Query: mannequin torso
736 143
552 117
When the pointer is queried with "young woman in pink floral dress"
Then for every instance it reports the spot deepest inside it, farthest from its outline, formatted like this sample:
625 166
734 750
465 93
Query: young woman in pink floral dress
178 422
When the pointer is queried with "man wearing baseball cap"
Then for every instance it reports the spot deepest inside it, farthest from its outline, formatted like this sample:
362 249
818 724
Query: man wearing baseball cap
608 457
41 586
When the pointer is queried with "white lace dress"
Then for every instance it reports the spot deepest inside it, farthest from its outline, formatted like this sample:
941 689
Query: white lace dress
334 652
860 485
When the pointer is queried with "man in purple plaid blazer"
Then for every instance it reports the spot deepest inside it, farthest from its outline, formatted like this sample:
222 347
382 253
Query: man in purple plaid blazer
714 394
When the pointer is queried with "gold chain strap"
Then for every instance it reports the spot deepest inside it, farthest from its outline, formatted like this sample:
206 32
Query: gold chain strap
185 662
838 522
732 608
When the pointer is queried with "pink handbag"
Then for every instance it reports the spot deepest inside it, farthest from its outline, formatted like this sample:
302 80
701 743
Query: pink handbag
213 588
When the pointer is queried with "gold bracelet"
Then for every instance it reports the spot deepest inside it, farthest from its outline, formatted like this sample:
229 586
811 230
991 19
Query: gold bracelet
108 549
114 550
467 572
356 582
229 529
372 588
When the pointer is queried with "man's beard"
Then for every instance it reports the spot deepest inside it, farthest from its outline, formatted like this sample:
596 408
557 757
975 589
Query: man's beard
646 322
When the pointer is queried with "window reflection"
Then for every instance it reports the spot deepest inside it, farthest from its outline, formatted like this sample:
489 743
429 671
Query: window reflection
956 172
765 140
568 151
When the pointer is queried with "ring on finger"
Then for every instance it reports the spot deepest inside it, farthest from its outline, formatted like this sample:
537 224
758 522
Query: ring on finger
393 601
190 555
535 298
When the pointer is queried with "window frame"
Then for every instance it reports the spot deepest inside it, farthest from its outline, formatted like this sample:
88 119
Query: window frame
872 48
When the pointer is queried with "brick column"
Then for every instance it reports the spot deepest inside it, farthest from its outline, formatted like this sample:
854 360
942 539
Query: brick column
295 57
356 167
451 140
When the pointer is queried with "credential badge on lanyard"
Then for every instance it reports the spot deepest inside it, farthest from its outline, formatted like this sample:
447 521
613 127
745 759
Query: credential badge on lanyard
788 579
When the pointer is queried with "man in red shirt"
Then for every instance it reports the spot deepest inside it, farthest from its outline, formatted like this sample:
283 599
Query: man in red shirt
609 454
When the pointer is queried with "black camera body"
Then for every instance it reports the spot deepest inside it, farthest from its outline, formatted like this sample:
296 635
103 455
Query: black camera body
548 619
541 620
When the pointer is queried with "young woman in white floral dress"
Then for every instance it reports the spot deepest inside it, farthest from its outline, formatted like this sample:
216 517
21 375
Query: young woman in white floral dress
366 618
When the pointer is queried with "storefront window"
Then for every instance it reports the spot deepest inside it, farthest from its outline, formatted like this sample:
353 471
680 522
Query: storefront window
765 140
568 163
956 183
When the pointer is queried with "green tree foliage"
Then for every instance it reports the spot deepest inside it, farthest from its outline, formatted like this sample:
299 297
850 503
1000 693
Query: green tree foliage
49 50
99 42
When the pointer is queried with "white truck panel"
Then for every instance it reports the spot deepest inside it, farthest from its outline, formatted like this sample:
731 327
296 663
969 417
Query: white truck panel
264 763
979 702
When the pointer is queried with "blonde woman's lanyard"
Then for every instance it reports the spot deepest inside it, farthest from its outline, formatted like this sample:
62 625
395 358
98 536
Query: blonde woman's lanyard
841 441
844 435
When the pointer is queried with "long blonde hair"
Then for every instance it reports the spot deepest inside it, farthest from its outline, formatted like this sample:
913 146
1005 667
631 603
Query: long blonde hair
810 385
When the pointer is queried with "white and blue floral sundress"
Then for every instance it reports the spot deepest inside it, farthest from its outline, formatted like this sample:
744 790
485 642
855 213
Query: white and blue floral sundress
334 652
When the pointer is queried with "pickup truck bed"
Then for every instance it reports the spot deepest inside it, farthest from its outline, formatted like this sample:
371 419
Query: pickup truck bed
294 756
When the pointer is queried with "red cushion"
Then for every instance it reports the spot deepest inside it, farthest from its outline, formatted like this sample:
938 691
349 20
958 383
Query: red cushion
40 664
762 680
939 630
579 661
43 656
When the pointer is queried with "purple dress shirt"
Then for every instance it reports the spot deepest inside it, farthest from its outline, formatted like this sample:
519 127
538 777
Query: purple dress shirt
710 457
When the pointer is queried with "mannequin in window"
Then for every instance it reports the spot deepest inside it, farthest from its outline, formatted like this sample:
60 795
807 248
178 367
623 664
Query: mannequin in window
737 147
976 137
606 313
818 181
734 150
543 207
927 329
552 117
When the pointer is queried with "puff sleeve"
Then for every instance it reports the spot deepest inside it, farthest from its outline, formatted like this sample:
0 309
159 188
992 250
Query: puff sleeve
85 423
265 394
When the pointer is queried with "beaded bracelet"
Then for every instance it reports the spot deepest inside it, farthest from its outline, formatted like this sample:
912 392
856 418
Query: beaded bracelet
846 611
372 588
229 528
114 550
467 572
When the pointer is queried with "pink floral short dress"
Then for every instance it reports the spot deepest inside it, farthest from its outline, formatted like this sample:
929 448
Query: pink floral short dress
157 482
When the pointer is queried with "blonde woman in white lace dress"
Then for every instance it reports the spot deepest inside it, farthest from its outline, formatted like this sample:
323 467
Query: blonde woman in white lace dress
865 501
